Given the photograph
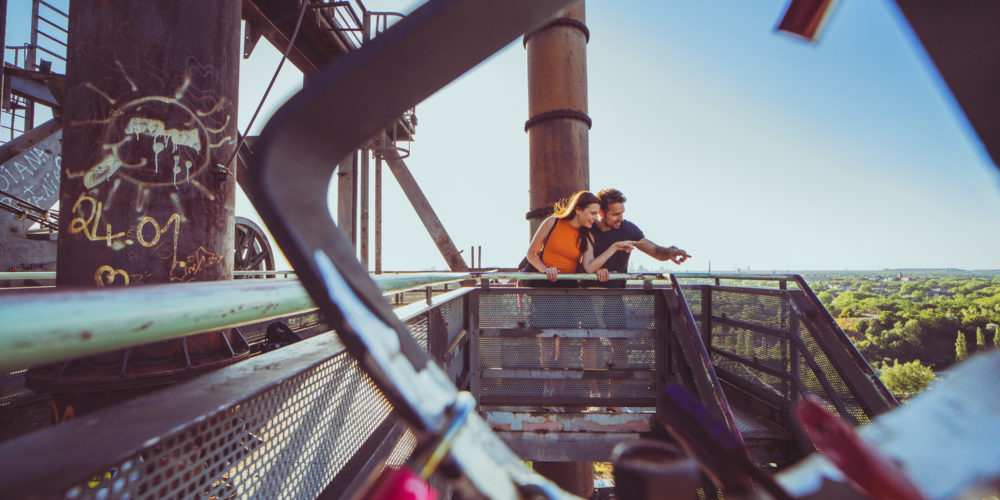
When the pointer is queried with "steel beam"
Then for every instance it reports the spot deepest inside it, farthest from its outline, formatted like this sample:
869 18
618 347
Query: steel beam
363 203
345 196
420 204
30 171
378 215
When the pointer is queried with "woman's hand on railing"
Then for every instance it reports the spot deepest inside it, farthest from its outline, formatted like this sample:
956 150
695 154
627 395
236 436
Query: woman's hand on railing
552 273
603 274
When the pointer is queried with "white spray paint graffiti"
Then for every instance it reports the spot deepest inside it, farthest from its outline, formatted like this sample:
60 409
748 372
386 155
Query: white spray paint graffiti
34 174
134 132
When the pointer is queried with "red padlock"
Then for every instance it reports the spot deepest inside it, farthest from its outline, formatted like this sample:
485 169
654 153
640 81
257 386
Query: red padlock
411 483
402 484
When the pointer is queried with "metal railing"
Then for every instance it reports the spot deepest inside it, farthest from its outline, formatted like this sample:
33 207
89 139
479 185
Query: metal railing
53 324
300 421
780 344
49 35
49 31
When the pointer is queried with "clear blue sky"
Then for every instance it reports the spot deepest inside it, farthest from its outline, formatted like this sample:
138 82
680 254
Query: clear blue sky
747 148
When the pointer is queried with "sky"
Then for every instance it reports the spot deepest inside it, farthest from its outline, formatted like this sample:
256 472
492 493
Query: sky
750 149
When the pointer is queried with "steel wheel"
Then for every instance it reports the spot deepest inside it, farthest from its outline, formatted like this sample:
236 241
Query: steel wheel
253 251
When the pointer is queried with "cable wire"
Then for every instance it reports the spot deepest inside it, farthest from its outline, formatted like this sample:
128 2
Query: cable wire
288 50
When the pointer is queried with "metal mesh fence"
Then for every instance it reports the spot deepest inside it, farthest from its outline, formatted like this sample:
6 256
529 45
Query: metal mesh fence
12 390
567 362
570 308
850 407
418 328
764 310
566 353
289 440
771 348
763 350
454 317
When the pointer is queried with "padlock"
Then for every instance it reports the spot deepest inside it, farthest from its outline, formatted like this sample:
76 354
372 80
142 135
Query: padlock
411 481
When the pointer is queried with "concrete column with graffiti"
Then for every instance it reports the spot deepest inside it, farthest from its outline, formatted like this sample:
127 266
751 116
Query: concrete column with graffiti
150 123
146 191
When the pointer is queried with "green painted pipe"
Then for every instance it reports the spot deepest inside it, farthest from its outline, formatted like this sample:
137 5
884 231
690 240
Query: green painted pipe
28 275
569 276
51 275
52 324
401 282
731 276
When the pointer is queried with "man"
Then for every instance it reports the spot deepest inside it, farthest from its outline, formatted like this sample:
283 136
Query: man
612 227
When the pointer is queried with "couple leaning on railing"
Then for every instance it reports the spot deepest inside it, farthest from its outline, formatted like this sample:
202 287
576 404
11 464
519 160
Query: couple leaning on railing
588 233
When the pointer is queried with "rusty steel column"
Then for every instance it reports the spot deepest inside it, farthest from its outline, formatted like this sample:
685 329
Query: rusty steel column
149 123
558 126
363 202
558 134
378 214
574 477
346 201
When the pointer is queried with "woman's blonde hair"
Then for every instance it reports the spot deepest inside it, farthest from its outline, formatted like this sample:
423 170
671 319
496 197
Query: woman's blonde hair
566 208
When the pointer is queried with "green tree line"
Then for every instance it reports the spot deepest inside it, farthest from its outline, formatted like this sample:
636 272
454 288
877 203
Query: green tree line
934 320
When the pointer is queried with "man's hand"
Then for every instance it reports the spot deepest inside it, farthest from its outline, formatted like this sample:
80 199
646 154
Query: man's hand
603 274
676 255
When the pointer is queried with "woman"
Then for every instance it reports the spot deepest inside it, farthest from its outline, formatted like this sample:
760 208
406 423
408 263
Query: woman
565 241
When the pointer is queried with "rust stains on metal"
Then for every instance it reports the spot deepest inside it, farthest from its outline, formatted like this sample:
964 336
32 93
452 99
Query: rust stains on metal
542 423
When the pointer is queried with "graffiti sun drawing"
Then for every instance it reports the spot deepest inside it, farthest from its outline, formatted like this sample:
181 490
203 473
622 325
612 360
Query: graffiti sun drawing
157 140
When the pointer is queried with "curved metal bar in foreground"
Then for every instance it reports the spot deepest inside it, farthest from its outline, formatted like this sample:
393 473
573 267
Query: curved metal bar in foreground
338 110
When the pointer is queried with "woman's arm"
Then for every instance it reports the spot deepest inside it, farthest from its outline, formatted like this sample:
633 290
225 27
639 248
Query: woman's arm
536 243
592 264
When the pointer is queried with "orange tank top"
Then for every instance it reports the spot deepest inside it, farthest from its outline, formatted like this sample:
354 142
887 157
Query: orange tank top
562 250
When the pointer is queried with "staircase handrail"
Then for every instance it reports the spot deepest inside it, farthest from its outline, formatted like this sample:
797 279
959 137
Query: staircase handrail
817 312
820 313
695 352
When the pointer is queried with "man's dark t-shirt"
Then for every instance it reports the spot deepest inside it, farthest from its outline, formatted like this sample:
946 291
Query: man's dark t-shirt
618 263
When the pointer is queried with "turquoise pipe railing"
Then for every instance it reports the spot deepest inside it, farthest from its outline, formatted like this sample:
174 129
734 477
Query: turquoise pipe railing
28 275
51 275
736 276
568 276
53 324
